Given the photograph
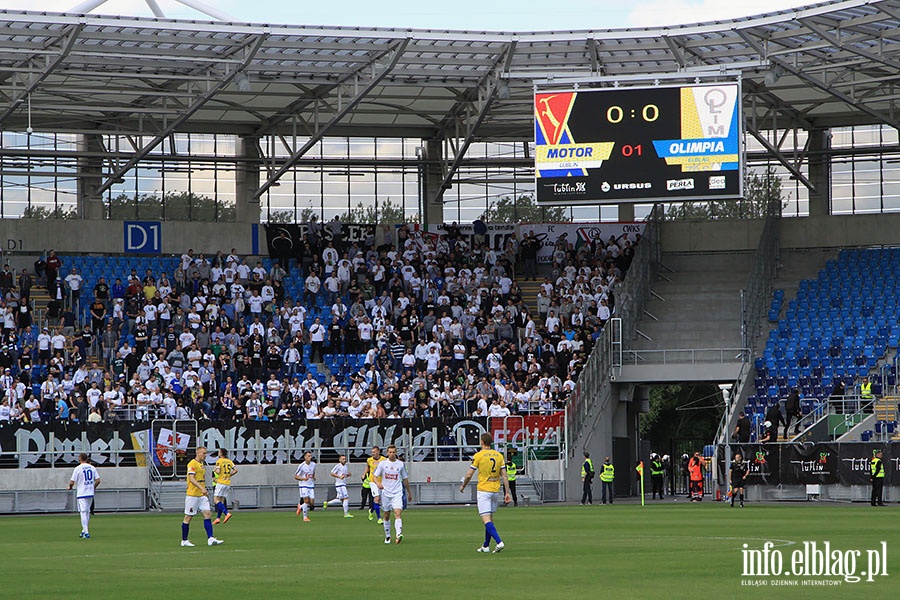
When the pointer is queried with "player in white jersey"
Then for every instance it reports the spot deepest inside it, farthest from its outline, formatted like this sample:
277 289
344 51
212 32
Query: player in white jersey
341 474
392 479
306 475
85 480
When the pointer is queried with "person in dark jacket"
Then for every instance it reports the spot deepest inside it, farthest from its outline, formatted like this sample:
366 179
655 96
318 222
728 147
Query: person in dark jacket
587 478
774 416
792 408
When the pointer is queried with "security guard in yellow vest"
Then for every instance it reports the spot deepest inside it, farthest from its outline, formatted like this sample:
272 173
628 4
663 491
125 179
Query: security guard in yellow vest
877 479
865 390
512 471
607 475
656 475
367 498
587 478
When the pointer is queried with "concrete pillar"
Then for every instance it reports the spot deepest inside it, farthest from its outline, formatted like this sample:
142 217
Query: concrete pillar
820 172
430 185
89 203
626 212
246 180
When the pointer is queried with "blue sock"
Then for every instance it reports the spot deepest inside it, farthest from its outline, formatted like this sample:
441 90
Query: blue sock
492 531
218 509
487 536
207 525
224 508
184 530
378 510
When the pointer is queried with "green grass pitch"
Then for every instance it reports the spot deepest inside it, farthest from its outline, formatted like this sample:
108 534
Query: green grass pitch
676 550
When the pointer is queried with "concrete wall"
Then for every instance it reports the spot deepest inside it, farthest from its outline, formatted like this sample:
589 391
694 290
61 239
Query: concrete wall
58 479
107 237
796 233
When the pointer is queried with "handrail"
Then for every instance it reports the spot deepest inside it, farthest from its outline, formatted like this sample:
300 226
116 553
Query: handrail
630 299
695 355
759 282
867 407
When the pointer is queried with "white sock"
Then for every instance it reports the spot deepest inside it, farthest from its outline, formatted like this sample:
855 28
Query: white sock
387 525
85 518
398 526
305 509
346 505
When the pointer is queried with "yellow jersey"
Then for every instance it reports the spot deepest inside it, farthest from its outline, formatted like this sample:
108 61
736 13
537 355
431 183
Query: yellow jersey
199 472
226 468
373 464
488 463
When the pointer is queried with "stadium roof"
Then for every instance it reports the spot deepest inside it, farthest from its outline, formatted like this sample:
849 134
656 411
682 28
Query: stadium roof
834 63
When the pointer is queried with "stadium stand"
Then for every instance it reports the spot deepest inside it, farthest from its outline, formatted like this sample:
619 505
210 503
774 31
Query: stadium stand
842 327
444 332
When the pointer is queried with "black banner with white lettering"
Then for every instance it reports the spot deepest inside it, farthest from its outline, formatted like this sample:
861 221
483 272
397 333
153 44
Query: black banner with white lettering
35 444
284 240
809 464
855 464
173 443
764 466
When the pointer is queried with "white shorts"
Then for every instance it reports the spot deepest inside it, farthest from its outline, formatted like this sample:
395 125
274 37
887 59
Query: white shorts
487 502
222 491
376 493
307 492
389 502
84 504
195 504
341 491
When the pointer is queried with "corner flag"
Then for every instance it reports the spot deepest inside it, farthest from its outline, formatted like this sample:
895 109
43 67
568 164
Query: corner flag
640 469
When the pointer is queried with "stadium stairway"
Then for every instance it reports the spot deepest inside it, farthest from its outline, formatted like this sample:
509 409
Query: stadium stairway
695 307
170 494
527 492
530 291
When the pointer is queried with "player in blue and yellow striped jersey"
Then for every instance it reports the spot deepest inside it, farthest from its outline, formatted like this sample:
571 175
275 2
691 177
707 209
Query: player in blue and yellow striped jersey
222 473
491 469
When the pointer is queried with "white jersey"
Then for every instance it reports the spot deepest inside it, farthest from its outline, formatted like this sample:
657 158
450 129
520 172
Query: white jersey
84 476
341 471
392 474
308 471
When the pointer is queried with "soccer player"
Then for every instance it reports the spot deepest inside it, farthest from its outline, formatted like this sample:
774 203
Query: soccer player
223 471
197 500
392 480
86 478
489 465
341 473
306 475
371 465
738 477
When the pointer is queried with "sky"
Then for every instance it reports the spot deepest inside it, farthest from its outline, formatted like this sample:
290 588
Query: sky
473 15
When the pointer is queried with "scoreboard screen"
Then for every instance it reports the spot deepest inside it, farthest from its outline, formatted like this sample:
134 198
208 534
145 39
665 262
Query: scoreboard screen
638 144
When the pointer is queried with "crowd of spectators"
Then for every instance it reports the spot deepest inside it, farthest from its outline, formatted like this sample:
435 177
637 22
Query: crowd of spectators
416 326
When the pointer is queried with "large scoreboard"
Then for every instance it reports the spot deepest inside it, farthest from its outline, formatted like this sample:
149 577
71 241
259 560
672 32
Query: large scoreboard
638 144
